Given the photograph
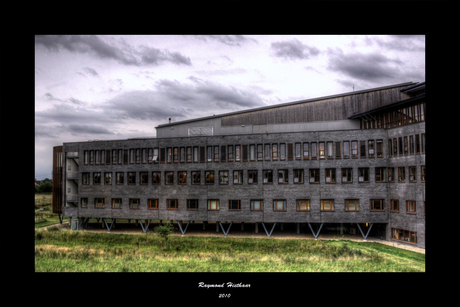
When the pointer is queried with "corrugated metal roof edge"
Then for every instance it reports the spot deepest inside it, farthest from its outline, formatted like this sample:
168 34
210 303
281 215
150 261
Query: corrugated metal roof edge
284 104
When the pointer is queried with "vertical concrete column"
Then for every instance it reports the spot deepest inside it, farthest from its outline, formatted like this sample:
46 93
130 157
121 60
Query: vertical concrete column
257 227
102 222
298 228
341 228
242 225
204 225
217 226
281 226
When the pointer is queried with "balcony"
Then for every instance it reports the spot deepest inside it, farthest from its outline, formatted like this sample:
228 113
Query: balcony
72 198
73 155
72 175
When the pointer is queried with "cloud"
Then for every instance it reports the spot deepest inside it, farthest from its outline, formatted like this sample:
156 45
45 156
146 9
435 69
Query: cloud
230 40
372 67
412 43
124 54
88 129
91 71
293 50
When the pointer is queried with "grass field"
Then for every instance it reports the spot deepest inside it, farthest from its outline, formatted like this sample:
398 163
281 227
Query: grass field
62 250
45 216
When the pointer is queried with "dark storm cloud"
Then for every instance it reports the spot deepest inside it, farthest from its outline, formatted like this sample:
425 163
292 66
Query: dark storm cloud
88 129
293 50
91 71
126 54
372 67
50 97
412 43
231 40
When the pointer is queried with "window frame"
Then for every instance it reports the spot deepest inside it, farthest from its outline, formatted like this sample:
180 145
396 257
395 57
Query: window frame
209 205
338 150
181 181
96 206
86 202
275 204
274 152
298 173
331 177
194 176
322 150
155 201
365 172
251 204
316 173
110 178
349 173
264 172
210 172
332 204
238 177
194 200
346 149
410 203
372 205
314 151
131 178
402 235
230 205
171 177
118 176
120 201
83 175
422 173
347 205
307 206
394 205
401 174
253 175
98 181
362 150
354 150
285 177
306 153
330 149
222 176
156 174
172 204
134 203
379 171
371 148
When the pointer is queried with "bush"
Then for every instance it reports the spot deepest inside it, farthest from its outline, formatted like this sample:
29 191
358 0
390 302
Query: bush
164 230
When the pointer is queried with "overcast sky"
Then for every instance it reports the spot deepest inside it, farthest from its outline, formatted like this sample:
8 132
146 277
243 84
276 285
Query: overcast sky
118 87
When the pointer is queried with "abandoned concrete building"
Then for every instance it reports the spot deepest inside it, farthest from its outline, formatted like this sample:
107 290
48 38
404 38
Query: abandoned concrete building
354 161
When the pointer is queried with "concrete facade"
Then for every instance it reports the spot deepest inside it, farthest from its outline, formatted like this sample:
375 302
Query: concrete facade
334 131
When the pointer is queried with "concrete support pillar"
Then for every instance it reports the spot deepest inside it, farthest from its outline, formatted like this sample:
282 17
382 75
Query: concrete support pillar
281 226
257 227
242 225
341 228
204 225
137 222
298 228
102 223
217 226
70 222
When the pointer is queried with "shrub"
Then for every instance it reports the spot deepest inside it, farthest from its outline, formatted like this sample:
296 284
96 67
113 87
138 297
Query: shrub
164 230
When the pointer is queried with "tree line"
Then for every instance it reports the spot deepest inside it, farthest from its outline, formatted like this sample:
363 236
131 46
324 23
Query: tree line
43 186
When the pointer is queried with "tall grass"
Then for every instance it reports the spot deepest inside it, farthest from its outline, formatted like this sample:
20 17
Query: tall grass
64 250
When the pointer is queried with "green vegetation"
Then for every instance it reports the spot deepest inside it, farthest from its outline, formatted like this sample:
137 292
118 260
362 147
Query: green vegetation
44 215
62 250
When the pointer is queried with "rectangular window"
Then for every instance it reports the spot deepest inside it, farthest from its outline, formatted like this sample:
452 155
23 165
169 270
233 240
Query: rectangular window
223 177
144 155
209 177
267 152
84 202
99 202
410 206
390 148
120 178
153 203
391 174
347 175
223 153
175 155
379 148
400 144
230 153
213 204
85 178
394 205
131 156
406 146
260 152
321 150
338 150
346 149
395 147
155 155
172 204
156 177
411 145
237 153
237 177
252 177
422 173
97 154
401 174
256 205
189 154
86 157
103 160
412 174
182 155
314 175
330 175
192 204
107 178
114 156
252 153
279 205
245 153
182 177
290 151
362 145
370 148
282 151
108 156
268 176
202 154
298 155
131 178
376 204
91 157
196 176
216 153
417 144
363 174
169 155
404 235
209 154
96 178
423 142
150 155
274 152
125 156
380 174
283 176
195 154
354 149
305 151
329 149
163 155
351 205
169 177
116 203
234 204
327 205
298 176
313 150
303 205
138 155
120 156
143 177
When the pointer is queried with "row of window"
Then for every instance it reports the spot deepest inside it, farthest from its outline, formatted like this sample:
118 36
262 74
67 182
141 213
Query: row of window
396 117
257 152
404 235
382 174
256 205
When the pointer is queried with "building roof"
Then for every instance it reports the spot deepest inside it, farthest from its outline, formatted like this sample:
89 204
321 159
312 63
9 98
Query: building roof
285 104
415 88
